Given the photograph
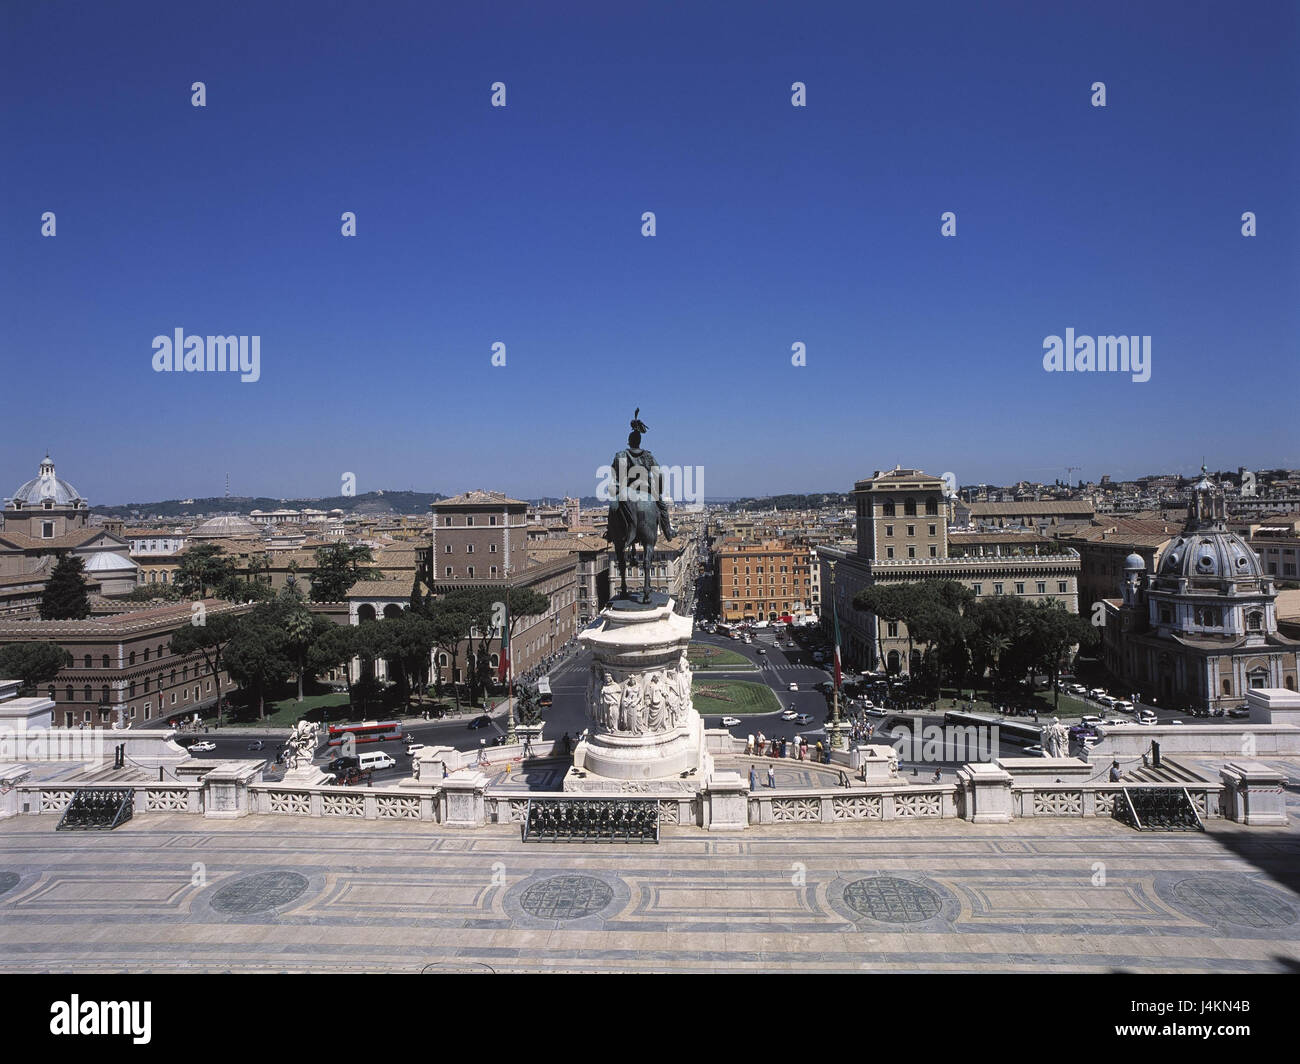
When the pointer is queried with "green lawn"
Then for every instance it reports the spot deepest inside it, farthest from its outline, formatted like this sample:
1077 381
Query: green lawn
701 655
1069 708
736 697
285 710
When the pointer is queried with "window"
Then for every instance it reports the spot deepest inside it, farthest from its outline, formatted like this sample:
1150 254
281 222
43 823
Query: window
909 507
889 552
87 661
911 552
892 630
931 507
1060 587
1255 622
470 570
888 508
492 520
494 570
934 552
446 522
911 530
86 696
889 530
47 529
1020 588
448 570
492 548
469 548
146 653
130 660
1042 587
1166 617
106 661
997 589
103 693
469 522
978 589
447 549
932 529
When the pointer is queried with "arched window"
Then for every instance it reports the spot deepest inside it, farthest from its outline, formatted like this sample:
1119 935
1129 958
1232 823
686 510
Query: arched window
86 696
103 693
86 663
888 509
1255 621
909 507
106 661
146 653
130 660
932 507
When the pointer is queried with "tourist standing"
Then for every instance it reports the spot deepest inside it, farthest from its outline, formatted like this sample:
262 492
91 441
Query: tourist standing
771 776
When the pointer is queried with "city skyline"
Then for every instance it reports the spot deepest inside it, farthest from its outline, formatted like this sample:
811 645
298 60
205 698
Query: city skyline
776 225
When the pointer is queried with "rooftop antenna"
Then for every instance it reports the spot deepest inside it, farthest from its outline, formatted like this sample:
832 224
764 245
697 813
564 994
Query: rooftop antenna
227 485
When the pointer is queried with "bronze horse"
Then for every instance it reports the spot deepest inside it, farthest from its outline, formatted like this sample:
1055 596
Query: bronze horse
633 522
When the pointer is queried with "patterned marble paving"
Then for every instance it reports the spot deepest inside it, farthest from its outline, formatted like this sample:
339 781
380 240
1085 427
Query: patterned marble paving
169 892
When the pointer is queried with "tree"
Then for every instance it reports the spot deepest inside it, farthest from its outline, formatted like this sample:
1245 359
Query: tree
209 639
1053 631
150 592
334 646
65 598
408 641
299 626
259 654
203 566
450 626
338 567
886 603
32 664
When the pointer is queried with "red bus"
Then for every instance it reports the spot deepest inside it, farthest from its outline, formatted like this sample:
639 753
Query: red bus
368 731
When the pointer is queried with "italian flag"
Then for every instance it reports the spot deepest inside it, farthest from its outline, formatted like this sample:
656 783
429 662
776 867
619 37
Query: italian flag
503 669
835 613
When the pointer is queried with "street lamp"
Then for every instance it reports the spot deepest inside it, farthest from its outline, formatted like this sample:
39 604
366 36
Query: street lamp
835 735
511 736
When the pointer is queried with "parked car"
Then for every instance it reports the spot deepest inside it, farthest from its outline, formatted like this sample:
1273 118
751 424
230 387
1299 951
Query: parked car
1089 719
1122 706
1146 717
202 747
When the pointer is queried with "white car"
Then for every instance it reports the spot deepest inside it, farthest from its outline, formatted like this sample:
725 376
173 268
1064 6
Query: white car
203 747
789 714
1034 751
413 748
730 722
1090 719
875 711
793 686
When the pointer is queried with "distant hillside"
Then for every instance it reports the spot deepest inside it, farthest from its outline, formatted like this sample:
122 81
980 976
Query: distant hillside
372 502
794 502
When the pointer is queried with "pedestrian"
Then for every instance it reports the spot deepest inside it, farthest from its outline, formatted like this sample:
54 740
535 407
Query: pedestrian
1114 772
749 744
936 777
771 777
753 778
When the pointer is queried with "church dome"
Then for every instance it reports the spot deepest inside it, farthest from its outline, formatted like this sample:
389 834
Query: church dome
228 527
46 486
1210 556
1134 561
108 562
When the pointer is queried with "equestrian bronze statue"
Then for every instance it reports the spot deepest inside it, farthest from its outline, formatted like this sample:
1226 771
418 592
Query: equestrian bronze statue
637 506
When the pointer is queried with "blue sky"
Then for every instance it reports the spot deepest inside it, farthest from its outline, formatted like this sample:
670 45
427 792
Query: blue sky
521 224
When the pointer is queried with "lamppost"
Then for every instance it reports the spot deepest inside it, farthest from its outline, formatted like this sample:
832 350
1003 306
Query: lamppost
834 734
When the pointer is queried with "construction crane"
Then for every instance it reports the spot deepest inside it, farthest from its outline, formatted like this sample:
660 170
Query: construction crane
1071 469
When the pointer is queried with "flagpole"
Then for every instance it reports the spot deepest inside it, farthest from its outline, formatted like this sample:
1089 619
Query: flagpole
511 737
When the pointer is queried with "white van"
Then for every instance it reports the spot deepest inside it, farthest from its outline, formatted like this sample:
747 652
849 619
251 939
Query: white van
376 760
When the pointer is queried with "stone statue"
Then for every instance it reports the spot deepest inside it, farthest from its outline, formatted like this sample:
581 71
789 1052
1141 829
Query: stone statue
656 703
611 694
301 747
637 509
1055 739
632 698
679 683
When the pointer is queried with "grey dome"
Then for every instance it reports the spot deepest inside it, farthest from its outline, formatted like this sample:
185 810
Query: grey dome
47 486
108 562
1210 555
1134 561
218 527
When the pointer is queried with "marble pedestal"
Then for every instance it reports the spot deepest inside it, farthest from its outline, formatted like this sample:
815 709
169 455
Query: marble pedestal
645 734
